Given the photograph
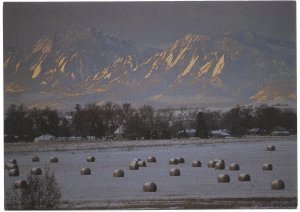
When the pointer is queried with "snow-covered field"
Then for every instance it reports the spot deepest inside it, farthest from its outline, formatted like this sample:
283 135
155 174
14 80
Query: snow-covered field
101 189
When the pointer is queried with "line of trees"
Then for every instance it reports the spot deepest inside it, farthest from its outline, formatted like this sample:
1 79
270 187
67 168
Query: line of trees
240 119
22 124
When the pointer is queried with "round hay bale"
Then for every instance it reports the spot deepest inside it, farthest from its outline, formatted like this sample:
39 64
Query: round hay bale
277 185
270 148
141 163
151 159
136 159
118 173
173 161
180 160
36 171
149 187
53 160
20 184
9 166
12 161
234 167
196 163
174 172
13 172
35 159
223 178
211 164
244 177
90 159
85 171
267 167
220 165
133 166
219 161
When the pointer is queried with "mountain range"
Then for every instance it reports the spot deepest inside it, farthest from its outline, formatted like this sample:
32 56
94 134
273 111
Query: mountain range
85 66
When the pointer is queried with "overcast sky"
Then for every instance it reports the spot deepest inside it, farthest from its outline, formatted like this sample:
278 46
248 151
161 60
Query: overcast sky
148 23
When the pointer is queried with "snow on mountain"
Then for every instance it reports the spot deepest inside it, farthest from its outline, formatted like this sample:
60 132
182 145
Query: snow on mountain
63 69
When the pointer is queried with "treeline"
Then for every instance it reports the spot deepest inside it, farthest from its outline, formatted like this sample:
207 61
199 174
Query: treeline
239 120
102 121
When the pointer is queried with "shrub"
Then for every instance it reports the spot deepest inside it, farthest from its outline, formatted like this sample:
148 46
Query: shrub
41 193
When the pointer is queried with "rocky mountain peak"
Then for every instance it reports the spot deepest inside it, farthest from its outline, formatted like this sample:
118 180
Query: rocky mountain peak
91 65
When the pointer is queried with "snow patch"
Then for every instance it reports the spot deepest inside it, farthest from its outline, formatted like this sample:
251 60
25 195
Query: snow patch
169 61
204 69
261 95
149 74
18 65
6 62
44 83
61 61
105 74
190 65
180 56
44 45
219 67
37 68
12 88
73 76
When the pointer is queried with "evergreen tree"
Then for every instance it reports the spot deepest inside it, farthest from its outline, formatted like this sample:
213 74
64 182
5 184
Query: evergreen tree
202 130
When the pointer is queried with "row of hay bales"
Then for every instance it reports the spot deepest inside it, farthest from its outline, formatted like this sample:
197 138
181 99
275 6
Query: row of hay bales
222 178
151 186
133 165
85 170
13 170
175 161
37 159
217 164
220 164
276 184
12 167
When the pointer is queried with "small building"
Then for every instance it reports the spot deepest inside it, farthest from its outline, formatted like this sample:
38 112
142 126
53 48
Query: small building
191 132
254 131
118 134
281 133
186 133
46 137
219 133
182 134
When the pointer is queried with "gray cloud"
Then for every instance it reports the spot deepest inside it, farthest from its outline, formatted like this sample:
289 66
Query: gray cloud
148 23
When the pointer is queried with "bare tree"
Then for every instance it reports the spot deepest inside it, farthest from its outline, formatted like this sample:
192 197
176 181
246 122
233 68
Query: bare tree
41 193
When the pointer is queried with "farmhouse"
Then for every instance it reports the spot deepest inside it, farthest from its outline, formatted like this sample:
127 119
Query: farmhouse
281 133
254 131
118 134
219 133
46 137
186 133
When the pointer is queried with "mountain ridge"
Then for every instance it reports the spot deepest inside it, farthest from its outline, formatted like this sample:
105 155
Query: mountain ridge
92 66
